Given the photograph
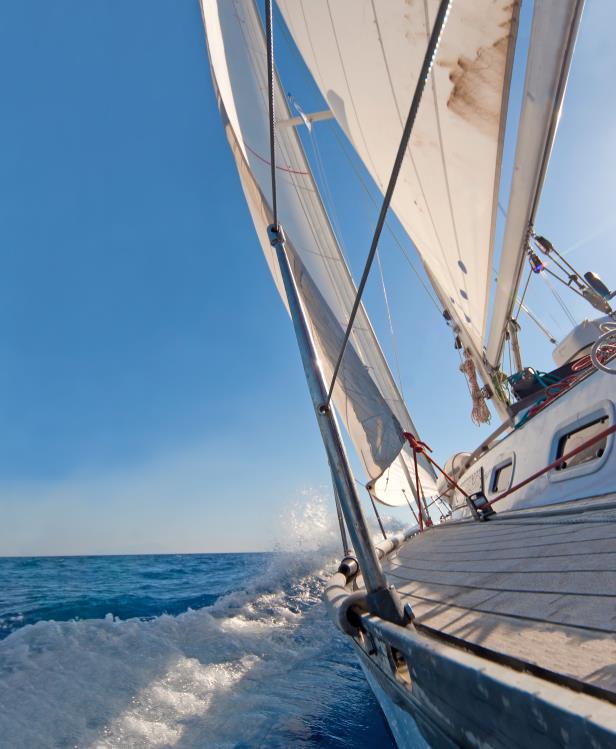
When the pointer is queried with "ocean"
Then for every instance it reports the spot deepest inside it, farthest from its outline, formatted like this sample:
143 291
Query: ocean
203 650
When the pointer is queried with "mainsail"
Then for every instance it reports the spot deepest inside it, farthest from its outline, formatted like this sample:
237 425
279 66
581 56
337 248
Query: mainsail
553 34
365 395
365 56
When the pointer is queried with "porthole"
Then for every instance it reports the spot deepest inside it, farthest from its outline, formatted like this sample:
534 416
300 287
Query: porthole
576 437
501 478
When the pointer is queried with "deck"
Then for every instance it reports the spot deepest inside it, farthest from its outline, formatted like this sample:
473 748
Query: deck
535 589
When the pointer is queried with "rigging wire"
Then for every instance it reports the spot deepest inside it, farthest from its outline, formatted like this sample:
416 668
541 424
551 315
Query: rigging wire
412 509
272 124
520 300
378 517
388 226
406 134
319 161
332 212
326 187
269 32
558 298
394 341
424 73
537 322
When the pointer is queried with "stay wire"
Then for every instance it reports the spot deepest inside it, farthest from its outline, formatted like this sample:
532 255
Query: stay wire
378 517
394 340
558 297
272 122
521 299
426 67
269 31
393 234
337 226
293 53
537 322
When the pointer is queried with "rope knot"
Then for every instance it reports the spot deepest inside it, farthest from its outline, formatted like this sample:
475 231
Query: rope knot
417 445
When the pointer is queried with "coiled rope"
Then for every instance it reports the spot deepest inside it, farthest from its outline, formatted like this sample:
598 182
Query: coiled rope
480 413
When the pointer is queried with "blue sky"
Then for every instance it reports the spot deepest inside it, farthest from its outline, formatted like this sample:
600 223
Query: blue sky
151 393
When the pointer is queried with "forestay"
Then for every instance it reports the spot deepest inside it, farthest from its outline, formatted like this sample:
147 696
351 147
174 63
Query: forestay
365 396
365 56
554 29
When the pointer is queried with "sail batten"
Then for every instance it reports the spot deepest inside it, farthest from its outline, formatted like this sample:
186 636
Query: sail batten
553 34
366 396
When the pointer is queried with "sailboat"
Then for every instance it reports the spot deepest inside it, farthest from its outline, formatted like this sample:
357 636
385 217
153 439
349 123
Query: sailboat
491 621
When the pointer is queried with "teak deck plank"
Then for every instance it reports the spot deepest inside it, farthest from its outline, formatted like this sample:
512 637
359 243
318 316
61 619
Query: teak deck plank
533 586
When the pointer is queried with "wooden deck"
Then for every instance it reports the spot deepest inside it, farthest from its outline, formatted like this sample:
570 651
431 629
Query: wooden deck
535 589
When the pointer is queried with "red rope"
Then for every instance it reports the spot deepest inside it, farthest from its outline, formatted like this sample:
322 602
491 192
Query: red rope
417 447
420 447
269 163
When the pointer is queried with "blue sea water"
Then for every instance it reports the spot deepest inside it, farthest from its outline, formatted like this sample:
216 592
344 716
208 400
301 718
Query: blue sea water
204 650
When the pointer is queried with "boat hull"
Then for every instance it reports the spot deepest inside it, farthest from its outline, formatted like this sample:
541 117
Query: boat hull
520 655
399 712
487 706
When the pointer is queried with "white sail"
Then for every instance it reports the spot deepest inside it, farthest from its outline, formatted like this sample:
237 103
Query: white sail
365 396
554 29
365 56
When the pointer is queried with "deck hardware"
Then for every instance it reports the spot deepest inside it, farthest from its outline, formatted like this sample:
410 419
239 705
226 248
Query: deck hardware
409 614
348 566
371 647
479 506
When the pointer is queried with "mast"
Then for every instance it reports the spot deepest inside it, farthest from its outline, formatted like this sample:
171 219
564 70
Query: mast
365 397
553 36
381 598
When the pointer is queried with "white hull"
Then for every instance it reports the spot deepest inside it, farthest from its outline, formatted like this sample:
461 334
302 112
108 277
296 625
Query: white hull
513 643
402 725
456 699
534 445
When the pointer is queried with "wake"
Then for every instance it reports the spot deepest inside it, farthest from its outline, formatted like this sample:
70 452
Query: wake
262 666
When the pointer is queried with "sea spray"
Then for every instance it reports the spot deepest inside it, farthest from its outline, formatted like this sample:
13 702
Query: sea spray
261 666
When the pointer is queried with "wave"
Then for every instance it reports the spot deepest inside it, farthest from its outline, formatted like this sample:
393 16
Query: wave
260 667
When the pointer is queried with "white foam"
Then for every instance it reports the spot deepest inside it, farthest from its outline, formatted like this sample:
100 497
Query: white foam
252 670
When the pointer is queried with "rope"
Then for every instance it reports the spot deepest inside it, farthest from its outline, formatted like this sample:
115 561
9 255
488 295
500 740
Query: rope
269 31
408 501
421 448
414 445
480 413
406 134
